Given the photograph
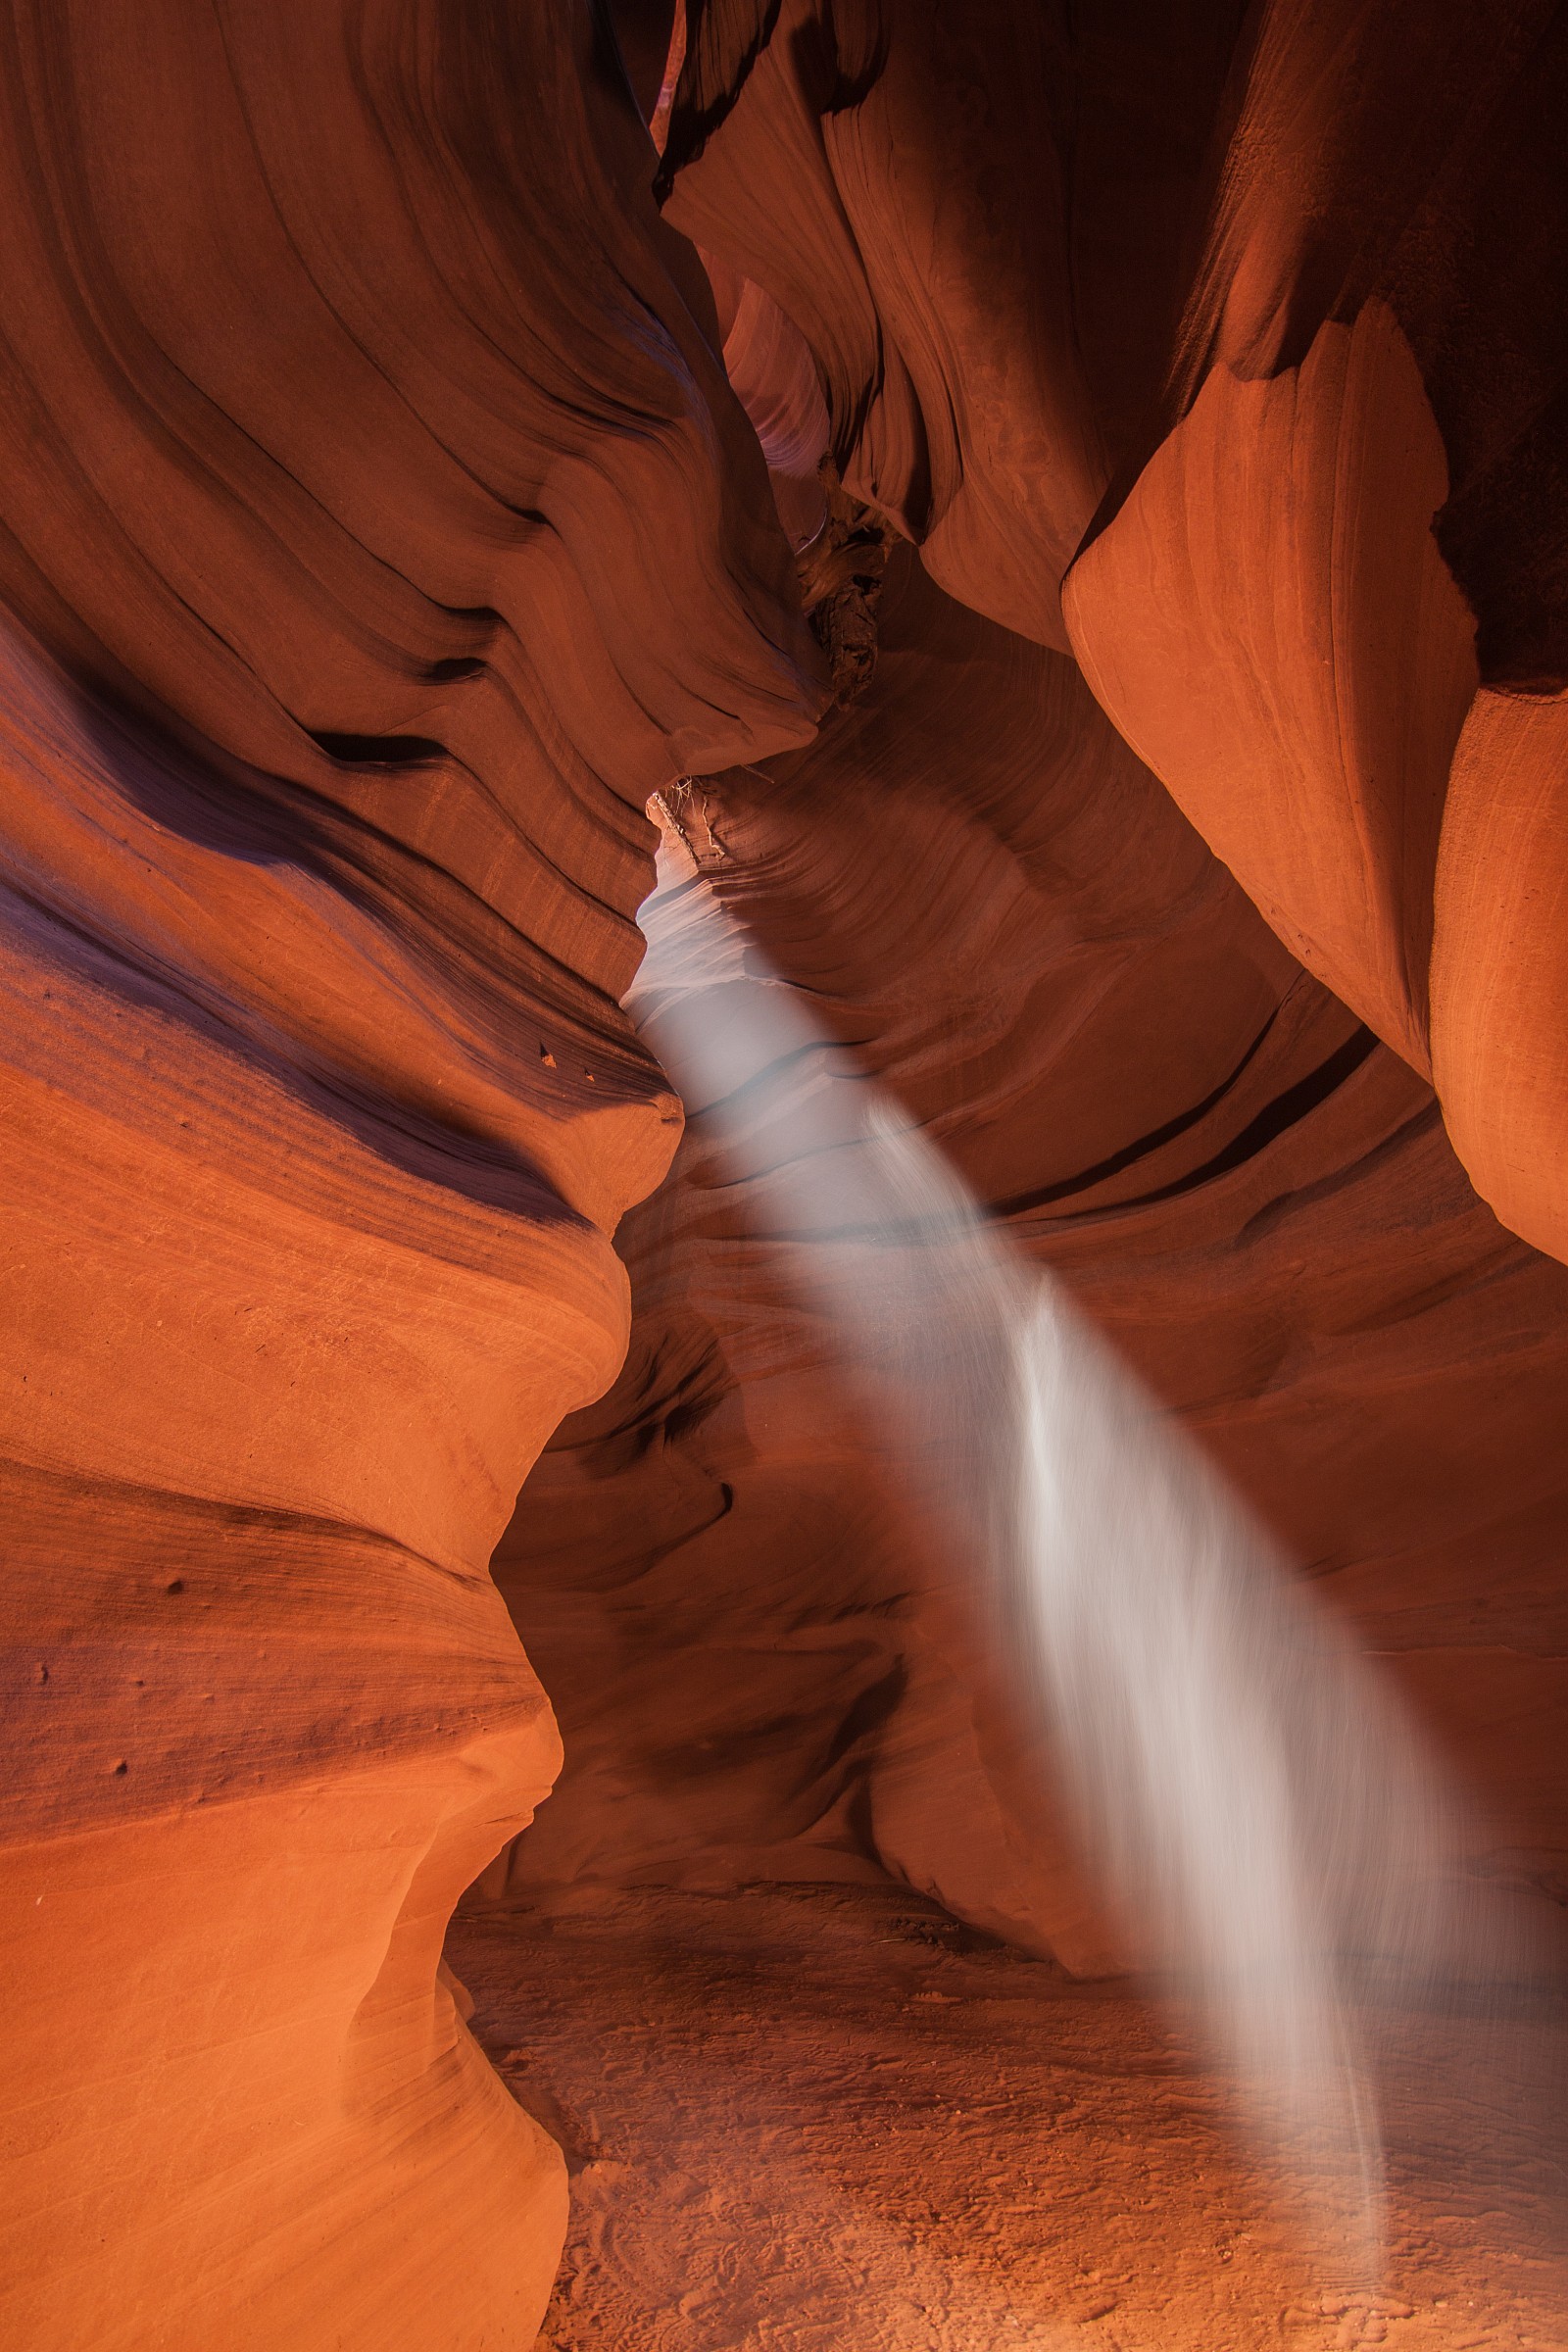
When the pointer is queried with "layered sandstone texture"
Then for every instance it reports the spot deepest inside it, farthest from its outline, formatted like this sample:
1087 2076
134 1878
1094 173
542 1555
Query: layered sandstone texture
1223 347
741 1629
392 500
1205 807
378 529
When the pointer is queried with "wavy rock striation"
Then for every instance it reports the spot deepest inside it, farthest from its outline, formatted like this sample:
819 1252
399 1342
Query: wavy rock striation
747 1643
1247 330
1181 315
378 529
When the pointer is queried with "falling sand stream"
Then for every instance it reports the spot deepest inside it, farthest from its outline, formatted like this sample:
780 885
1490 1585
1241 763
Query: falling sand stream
1279 1849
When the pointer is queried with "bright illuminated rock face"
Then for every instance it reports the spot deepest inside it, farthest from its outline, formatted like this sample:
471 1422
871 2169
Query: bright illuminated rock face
1499 1043
379 529
1269 620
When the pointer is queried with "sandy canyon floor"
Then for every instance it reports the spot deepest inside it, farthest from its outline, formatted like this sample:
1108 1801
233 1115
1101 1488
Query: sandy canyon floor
827 2120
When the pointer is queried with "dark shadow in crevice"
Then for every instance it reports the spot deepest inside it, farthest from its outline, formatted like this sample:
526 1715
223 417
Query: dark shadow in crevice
1285 1110
380 751
1021 1203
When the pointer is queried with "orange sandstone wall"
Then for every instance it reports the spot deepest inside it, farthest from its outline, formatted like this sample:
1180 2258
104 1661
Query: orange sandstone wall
376 529
989 897
1213 360
1242 333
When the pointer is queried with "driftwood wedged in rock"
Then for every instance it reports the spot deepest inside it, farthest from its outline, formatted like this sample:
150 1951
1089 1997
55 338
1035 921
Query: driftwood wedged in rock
841 571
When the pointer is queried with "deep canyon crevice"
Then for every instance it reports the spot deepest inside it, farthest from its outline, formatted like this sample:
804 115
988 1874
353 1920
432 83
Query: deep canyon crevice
408 472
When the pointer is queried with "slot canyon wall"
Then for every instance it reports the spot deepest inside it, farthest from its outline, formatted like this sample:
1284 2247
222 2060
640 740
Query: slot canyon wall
1231 354
394 498
739 1631
378 530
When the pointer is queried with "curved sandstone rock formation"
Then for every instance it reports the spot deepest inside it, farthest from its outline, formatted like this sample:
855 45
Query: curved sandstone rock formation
378 530
1275 377
1268 620
1499 983
744 1637
392 500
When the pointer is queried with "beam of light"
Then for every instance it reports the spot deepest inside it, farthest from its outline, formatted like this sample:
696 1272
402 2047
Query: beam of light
1267 1824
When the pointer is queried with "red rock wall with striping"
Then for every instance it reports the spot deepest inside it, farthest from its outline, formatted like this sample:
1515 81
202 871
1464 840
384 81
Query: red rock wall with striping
376 529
